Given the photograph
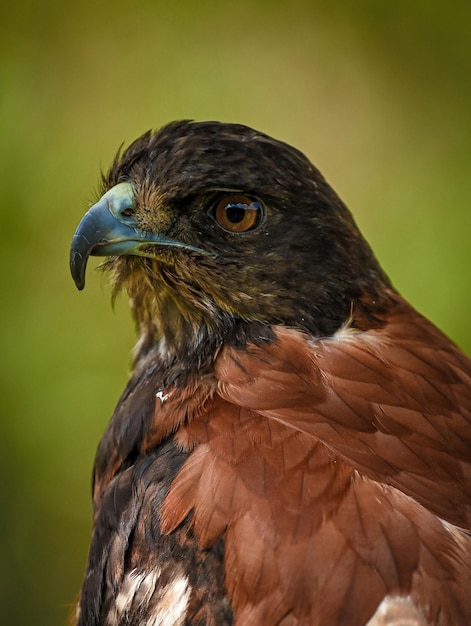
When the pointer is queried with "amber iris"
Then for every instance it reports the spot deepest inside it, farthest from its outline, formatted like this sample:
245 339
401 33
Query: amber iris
237 213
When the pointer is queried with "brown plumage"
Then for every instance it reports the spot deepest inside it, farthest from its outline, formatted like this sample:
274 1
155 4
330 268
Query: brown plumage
294 445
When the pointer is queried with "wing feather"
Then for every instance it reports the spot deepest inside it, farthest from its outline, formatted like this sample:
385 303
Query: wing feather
393 402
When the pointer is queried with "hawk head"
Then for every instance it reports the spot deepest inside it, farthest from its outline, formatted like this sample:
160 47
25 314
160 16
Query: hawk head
212 225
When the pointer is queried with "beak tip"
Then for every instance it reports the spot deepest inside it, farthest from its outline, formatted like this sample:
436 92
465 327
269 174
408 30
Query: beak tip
77 268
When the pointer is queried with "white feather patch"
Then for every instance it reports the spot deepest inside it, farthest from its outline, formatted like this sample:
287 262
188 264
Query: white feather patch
172 605
141 595
397 611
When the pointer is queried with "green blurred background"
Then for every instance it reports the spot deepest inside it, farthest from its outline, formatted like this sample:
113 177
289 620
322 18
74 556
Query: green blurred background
376 93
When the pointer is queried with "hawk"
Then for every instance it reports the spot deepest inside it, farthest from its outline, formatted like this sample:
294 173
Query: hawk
293 447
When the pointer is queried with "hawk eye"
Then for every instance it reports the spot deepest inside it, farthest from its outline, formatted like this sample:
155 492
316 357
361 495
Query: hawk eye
237 213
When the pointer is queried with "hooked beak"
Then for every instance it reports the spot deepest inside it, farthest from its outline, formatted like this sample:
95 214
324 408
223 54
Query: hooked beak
109 229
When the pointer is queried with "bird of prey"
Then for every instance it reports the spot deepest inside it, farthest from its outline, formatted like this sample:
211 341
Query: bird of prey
293 447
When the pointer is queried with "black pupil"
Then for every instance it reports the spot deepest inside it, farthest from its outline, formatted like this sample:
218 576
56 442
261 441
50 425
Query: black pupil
235 213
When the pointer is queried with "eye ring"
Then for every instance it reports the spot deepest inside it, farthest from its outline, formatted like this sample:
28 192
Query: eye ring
238 213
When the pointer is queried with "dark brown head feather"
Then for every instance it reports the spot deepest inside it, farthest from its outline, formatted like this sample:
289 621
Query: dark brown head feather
329 276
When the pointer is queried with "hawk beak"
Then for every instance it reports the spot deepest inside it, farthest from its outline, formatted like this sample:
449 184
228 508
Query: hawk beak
109 229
